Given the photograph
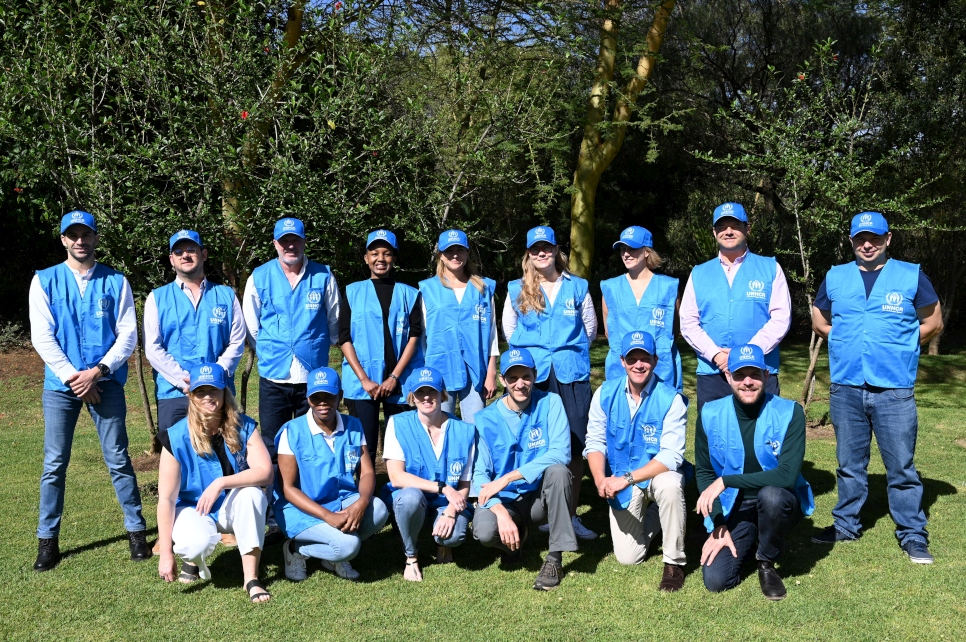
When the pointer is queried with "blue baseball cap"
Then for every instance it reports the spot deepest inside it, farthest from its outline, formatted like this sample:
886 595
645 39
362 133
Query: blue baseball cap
77 217
323 379
185 235
869 222
449 238
424 378
635 237
382 235
541 234
637 340
207 374
289 226
746 356
732 210
516 357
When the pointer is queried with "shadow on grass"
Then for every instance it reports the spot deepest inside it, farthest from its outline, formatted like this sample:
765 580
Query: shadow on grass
101 543
877 505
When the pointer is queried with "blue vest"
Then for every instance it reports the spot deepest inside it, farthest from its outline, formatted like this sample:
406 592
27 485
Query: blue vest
368 338
326 477
732 315
654 315
84 325
874 341
457 336
198 471
633 441
421 458
727 450
555 336
193 335
510 451
293 323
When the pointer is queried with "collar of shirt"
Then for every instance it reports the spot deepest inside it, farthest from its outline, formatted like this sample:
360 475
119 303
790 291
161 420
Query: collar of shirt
85 276
305 264
727 266
648 387
182 285
316 429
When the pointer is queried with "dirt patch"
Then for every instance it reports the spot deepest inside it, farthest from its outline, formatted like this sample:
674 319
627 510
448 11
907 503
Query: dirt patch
146 462
961 443
21 362
819 430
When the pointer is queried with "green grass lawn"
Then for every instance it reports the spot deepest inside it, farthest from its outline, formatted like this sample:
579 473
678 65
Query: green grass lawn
864 590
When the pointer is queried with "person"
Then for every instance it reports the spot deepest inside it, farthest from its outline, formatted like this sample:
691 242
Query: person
291 309
550 313
721 307
748 451
635 446
429 458
520 476
187 322
83 326
325 513
213 468
379 332
460 335
875 313
641 300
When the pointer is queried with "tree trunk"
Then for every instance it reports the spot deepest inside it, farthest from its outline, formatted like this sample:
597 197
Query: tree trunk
145 399
246 375
808 388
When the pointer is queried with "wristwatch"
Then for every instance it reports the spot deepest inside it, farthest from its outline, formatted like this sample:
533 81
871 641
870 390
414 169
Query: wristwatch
104 369
442 485
629 478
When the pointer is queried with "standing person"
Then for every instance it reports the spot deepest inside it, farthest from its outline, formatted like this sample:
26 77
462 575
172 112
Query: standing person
323 510
748 451
641 300
875 313
379 330
460 337
291 308
82 324
429 458
550 313
213 468
520 476
187 322
635 446
735 298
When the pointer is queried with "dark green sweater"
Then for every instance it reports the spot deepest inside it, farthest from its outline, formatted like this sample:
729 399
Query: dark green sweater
753 478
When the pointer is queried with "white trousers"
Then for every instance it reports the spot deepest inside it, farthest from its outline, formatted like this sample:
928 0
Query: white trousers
633 529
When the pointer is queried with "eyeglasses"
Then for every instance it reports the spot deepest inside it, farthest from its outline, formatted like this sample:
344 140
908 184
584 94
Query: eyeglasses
634 360
178 251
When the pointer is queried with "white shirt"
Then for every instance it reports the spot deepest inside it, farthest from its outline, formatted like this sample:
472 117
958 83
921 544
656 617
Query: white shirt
673 431
252 307
315 429
459 292
164 363
587 313
392 449
43 328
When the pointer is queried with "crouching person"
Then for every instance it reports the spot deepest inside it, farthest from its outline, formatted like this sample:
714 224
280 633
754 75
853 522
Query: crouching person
318 504
748 452
213 465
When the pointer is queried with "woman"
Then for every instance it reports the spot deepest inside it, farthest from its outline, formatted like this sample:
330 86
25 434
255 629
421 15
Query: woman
213 465
380 325
641 299
319 505
429 458
550 313
460 338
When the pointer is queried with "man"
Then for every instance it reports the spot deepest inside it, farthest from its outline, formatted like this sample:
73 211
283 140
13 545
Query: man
83 326
875 313
748 451
635 445
520 475
189 322
291 308
737 297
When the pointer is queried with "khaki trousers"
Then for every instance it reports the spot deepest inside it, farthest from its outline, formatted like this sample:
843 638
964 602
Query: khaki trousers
633 529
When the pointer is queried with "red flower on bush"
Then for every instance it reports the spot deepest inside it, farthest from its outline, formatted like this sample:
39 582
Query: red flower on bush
18 189
801 76
835 56
337 6
375 153
244 115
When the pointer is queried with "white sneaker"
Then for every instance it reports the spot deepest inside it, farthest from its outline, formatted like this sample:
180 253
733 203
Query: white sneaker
544 528
294 563
342 569
581 531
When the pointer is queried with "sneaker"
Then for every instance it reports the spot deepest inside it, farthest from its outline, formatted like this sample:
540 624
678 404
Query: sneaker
918 552
48 554
831 535
138 544
294 563
549 576
342 569
581 531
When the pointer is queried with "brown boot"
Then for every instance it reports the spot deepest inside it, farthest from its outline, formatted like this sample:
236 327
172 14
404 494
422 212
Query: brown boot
673 578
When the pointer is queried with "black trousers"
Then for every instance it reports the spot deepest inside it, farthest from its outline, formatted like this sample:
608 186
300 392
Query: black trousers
367 412
278 403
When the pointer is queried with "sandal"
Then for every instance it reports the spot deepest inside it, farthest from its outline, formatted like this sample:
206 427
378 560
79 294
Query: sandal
256 583
189 573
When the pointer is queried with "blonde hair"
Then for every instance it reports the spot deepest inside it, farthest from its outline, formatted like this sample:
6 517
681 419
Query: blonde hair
411 397
198 423
472 270
653 260
531 297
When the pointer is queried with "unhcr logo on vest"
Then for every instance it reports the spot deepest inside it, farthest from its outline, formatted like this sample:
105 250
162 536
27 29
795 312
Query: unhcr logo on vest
205 374
219 313
455 470
657 317
570 308
103 305
313 300
776 447
536 439
893 303
756 290
649 434
351 458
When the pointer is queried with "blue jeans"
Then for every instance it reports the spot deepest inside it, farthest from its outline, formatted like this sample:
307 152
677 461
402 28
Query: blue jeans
409 508
471 401
61 411
326 542
890 413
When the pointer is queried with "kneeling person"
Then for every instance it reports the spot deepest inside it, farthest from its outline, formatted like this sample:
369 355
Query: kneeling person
635 445
748 452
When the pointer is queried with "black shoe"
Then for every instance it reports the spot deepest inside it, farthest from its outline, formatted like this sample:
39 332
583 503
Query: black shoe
771 583
549 576
48 554
831 535
140 550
